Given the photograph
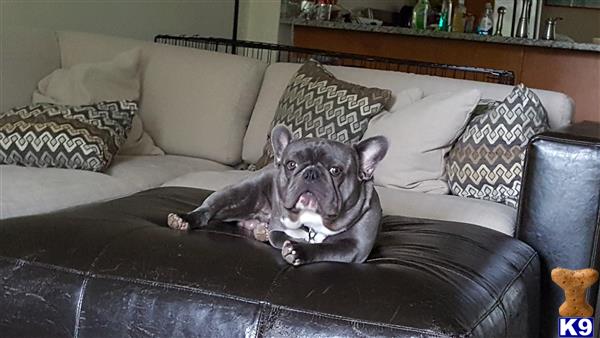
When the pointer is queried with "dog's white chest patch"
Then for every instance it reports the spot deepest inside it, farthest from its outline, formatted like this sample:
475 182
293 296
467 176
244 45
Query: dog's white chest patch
306 234
309 227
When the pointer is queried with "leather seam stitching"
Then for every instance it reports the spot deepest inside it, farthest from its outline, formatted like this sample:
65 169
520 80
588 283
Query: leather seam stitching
132 280
567 139
596 234
79 306
242 299
89 274
266 300
259 323
338 317
502 294
213 294
362 321
594 253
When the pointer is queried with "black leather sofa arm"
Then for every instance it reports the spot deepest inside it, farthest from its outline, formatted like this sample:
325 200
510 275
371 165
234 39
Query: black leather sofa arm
559 209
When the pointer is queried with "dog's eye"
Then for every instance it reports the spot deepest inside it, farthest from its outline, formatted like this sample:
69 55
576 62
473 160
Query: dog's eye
290 165
335 171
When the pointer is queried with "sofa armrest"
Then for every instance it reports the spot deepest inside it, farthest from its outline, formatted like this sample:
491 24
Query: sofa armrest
559 209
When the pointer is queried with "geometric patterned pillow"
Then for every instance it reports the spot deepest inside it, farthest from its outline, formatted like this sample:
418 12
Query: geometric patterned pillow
486 162
316 104
74 137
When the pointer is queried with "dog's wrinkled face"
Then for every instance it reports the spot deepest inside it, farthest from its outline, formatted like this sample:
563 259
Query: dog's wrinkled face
322 176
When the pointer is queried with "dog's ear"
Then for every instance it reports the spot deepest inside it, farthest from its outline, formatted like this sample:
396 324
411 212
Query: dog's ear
280 138
370 152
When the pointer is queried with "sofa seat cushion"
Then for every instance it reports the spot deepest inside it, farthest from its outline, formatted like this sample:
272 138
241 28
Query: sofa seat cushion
487 214
402 202
209 180
114 269
28 190
151 171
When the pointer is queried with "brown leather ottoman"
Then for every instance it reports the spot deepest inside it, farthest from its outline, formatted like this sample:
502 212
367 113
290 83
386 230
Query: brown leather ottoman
113 269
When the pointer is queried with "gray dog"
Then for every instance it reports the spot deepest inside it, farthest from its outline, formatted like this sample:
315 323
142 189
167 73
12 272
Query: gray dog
317 201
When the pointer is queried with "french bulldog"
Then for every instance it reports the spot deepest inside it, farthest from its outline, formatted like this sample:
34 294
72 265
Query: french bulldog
317 201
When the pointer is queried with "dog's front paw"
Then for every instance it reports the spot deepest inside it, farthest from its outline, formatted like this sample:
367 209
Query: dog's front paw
261 233
293 253
198 218
176 222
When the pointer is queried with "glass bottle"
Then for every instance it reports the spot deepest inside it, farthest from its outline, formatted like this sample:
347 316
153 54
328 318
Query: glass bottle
469 23
445 23
486 24
419 15
324 10
458 20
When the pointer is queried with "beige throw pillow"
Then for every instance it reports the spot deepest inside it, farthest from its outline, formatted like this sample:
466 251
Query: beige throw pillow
420 136
89 83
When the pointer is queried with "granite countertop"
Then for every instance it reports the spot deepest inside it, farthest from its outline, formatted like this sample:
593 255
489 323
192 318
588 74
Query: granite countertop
589 47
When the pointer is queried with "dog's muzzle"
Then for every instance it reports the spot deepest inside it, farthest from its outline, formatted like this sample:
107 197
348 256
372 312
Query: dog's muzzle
307 201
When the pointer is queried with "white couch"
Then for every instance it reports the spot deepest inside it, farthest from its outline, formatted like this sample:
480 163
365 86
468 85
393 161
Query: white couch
208 112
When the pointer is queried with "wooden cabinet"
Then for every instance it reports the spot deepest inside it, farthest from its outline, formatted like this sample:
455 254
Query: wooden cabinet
575 73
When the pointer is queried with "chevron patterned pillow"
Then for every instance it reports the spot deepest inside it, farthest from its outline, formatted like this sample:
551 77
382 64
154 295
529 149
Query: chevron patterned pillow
487 160
317 104
74 137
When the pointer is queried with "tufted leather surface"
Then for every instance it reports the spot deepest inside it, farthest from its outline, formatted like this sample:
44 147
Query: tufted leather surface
113 270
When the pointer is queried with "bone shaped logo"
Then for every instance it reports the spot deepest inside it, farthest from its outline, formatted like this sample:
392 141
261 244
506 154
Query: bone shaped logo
575 284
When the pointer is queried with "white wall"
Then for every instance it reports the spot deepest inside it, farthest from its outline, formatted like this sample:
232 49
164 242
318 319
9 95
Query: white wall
28 49
141 19
259 20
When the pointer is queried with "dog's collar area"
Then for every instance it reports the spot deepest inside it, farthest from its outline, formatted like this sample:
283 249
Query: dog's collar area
313 236
308 227
306 234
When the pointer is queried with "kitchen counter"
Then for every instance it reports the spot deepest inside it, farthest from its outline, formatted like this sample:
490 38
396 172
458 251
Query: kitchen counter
567 67
586 47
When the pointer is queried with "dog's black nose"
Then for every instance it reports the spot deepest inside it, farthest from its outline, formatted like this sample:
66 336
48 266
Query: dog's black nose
311 174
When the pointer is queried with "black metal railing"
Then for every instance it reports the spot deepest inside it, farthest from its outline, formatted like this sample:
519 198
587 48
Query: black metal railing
281 53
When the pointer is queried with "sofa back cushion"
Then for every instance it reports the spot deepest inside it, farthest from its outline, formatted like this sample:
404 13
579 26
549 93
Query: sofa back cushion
316 104
275 82
559 106
420 136
87 83
193 102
